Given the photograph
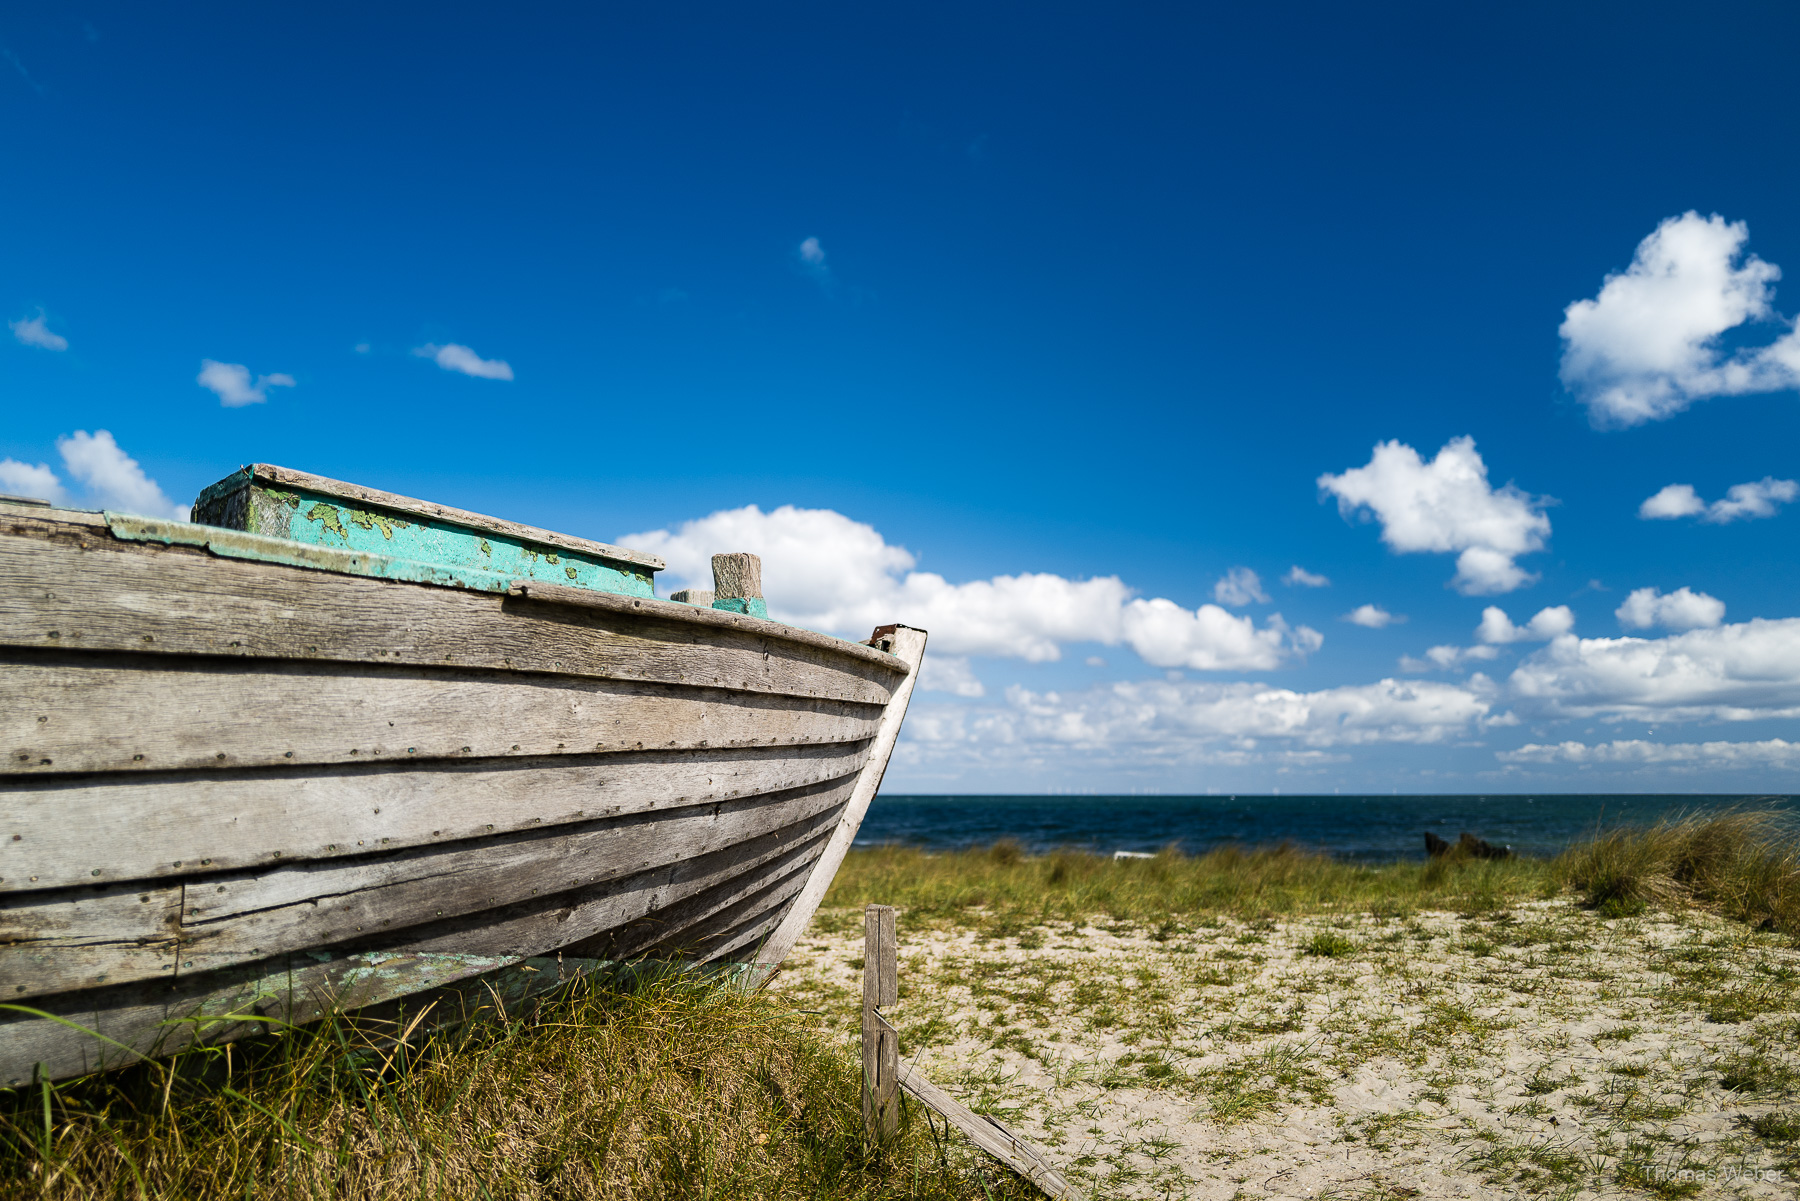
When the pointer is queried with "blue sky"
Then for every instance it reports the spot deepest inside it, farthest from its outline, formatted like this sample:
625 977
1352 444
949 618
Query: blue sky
1026 324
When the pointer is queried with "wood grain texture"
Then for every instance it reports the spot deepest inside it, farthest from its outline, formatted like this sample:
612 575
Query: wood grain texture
736 575
152 1017
908 646
172 824
880 1041
87 713
1018 1154
229 919
287 477
64 586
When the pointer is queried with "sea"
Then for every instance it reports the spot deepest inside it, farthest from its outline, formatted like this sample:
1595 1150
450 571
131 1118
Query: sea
1371 829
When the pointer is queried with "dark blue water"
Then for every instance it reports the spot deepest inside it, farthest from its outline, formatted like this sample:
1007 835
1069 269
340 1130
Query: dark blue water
1367 828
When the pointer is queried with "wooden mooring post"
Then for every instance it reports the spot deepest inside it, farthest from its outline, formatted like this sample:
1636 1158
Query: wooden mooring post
880 1042
884 1078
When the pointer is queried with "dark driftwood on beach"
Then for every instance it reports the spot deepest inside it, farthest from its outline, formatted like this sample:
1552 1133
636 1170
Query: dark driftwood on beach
1470 846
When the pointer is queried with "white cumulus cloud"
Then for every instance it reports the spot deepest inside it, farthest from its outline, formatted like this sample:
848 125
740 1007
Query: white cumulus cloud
1631 752
825 571
1373 617
1497 627
111 478
38 483
456 357
950 673
1759 498
1682 609
231 383
1189 721
1738 672
1239 587
811 253
1647 346
32 331
1299 576
1443 506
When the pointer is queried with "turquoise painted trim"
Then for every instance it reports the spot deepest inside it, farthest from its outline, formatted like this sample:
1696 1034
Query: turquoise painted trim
752 606
235 544
327 521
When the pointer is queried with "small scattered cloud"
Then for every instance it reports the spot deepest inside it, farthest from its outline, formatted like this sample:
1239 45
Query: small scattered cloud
1446 505
1095 661
231 383
456 357
18 66
950 673
1682 609
1239 587
1497 628
1298 577
362 348
811 258
1759 498
32 331
38 483
1444 658
1373 617
1647 346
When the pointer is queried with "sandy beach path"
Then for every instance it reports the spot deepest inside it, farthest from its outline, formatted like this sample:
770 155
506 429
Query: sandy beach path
1535 1050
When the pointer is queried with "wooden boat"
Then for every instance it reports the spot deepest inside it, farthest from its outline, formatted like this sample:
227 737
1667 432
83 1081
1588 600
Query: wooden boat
326 747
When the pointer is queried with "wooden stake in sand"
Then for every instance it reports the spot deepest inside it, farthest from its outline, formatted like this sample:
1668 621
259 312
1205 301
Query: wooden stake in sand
880 1043
883 1077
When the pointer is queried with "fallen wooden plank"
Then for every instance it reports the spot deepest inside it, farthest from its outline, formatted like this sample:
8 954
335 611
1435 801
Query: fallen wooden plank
990 1136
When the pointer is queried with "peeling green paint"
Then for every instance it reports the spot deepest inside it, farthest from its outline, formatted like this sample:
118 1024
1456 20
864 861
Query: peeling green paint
327 516
403 545
380 521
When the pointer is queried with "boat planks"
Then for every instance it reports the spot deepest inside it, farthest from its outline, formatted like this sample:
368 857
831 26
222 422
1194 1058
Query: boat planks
236 792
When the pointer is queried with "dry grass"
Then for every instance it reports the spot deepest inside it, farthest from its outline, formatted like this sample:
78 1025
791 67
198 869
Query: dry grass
670 1088
1746 865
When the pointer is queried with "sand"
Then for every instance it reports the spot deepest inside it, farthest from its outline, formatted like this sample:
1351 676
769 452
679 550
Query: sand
1534 1051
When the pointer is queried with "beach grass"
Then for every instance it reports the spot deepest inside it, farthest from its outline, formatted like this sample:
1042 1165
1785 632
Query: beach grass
670 1087
1744 864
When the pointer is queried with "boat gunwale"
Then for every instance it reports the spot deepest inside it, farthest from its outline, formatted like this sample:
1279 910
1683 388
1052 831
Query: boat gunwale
344 490
529 590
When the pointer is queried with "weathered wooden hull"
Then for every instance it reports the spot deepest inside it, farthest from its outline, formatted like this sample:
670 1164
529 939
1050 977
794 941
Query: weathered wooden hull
237 790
